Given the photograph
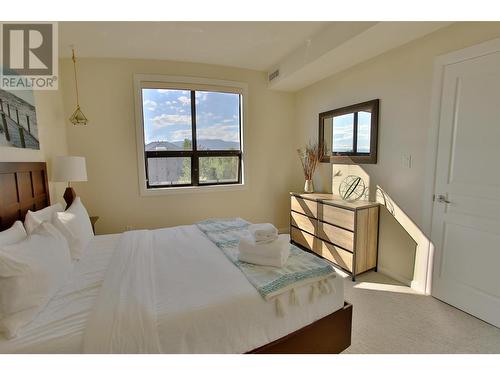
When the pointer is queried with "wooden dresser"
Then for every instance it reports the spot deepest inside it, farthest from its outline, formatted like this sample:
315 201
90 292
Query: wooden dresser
345 233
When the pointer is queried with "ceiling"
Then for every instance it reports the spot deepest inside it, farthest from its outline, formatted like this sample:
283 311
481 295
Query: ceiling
251 45
339 46
296 53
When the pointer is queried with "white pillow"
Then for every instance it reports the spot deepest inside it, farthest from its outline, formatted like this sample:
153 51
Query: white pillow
74 224
34 219
31 272
12 235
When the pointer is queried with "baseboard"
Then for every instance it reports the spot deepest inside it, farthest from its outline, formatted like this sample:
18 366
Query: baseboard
415 285
395 276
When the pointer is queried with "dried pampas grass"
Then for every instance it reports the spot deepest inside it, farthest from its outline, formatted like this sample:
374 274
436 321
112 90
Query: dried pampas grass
310 156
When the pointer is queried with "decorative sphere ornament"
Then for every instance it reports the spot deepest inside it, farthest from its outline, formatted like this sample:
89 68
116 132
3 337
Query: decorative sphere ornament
352 188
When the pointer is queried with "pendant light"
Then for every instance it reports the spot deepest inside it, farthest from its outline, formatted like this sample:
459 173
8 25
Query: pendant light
77 118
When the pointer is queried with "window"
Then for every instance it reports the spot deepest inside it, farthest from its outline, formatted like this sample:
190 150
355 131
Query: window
192 134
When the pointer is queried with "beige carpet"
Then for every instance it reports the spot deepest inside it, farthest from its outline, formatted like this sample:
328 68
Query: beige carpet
390 318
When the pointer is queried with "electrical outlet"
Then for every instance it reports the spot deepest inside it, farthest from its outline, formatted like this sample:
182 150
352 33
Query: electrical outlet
406 160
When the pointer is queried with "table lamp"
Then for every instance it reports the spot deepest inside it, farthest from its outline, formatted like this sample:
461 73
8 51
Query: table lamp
69 169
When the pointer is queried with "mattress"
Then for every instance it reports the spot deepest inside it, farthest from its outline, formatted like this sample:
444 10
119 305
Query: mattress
203 306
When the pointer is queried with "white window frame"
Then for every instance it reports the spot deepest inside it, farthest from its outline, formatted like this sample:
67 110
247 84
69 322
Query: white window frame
139 80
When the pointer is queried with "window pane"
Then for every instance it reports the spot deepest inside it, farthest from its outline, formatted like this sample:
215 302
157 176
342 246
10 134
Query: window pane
216 169
364 128
167 119
169 171
217 121
343 132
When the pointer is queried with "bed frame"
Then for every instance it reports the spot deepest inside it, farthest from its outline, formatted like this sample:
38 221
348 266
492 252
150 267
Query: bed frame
328 335
24 186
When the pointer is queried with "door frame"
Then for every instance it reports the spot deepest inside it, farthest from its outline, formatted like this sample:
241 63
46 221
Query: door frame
478 50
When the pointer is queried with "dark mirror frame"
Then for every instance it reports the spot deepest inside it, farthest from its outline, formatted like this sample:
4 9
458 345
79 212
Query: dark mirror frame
352 157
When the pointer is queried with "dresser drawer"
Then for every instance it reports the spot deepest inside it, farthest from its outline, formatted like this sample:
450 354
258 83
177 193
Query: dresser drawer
303 222
338 236
335 254
337 216
305 239
304 206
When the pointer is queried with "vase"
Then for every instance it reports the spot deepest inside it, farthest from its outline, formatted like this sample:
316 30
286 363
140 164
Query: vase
308 186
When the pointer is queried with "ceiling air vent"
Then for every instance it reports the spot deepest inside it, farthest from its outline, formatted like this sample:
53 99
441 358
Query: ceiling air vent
274 75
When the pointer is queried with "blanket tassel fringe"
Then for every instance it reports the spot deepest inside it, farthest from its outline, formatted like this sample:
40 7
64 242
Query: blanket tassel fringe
280 308
313 294
318 288
294 299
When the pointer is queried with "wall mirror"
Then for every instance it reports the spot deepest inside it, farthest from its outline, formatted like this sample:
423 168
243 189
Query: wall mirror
348 135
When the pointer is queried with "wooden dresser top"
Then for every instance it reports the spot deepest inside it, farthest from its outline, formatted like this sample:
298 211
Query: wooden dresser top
335 200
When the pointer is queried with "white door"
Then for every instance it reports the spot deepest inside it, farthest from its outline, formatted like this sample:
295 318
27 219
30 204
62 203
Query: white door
466 211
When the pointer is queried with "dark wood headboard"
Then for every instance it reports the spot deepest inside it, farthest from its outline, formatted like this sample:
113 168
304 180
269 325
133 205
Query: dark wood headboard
23 187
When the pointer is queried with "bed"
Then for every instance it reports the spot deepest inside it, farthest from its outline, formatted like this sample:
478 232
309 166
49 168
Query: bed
198 310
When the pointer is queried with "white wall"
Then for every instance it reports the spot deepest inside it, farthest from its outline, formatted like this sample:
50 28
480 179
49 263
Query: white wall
109 144
402 80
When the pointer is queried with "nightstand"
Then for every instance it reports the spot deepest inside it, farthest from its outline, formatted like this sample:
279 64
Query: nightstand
93 220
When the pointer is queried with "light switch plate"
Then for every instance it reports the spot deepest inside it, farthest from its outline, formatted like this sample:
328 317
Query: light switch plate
407 160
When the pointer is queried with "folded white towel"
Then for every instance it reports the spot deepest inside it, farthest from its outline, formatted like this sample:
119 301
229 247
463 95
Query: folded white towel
264 261
263 233
264 240
270 254
273 248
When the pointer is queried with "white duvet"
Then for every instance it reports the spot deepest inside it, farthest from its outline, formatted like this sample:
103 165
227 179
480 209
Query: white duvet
204 304
123 319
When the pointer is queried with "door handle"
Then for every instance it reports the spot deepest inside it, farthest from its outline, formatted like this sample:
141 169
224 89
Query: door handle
442 199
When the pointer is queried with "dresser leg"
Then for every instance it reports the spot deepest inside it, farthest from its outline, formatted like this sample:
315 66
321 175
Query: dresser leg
353 278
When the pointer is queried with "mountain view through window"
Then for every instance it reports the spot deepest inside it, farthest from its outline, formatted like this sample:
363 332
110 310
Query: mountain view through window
191 137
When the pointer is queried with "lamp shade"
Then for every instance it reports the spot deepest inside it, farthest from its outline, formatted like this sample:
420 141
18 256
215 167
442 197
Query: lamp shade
69 169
